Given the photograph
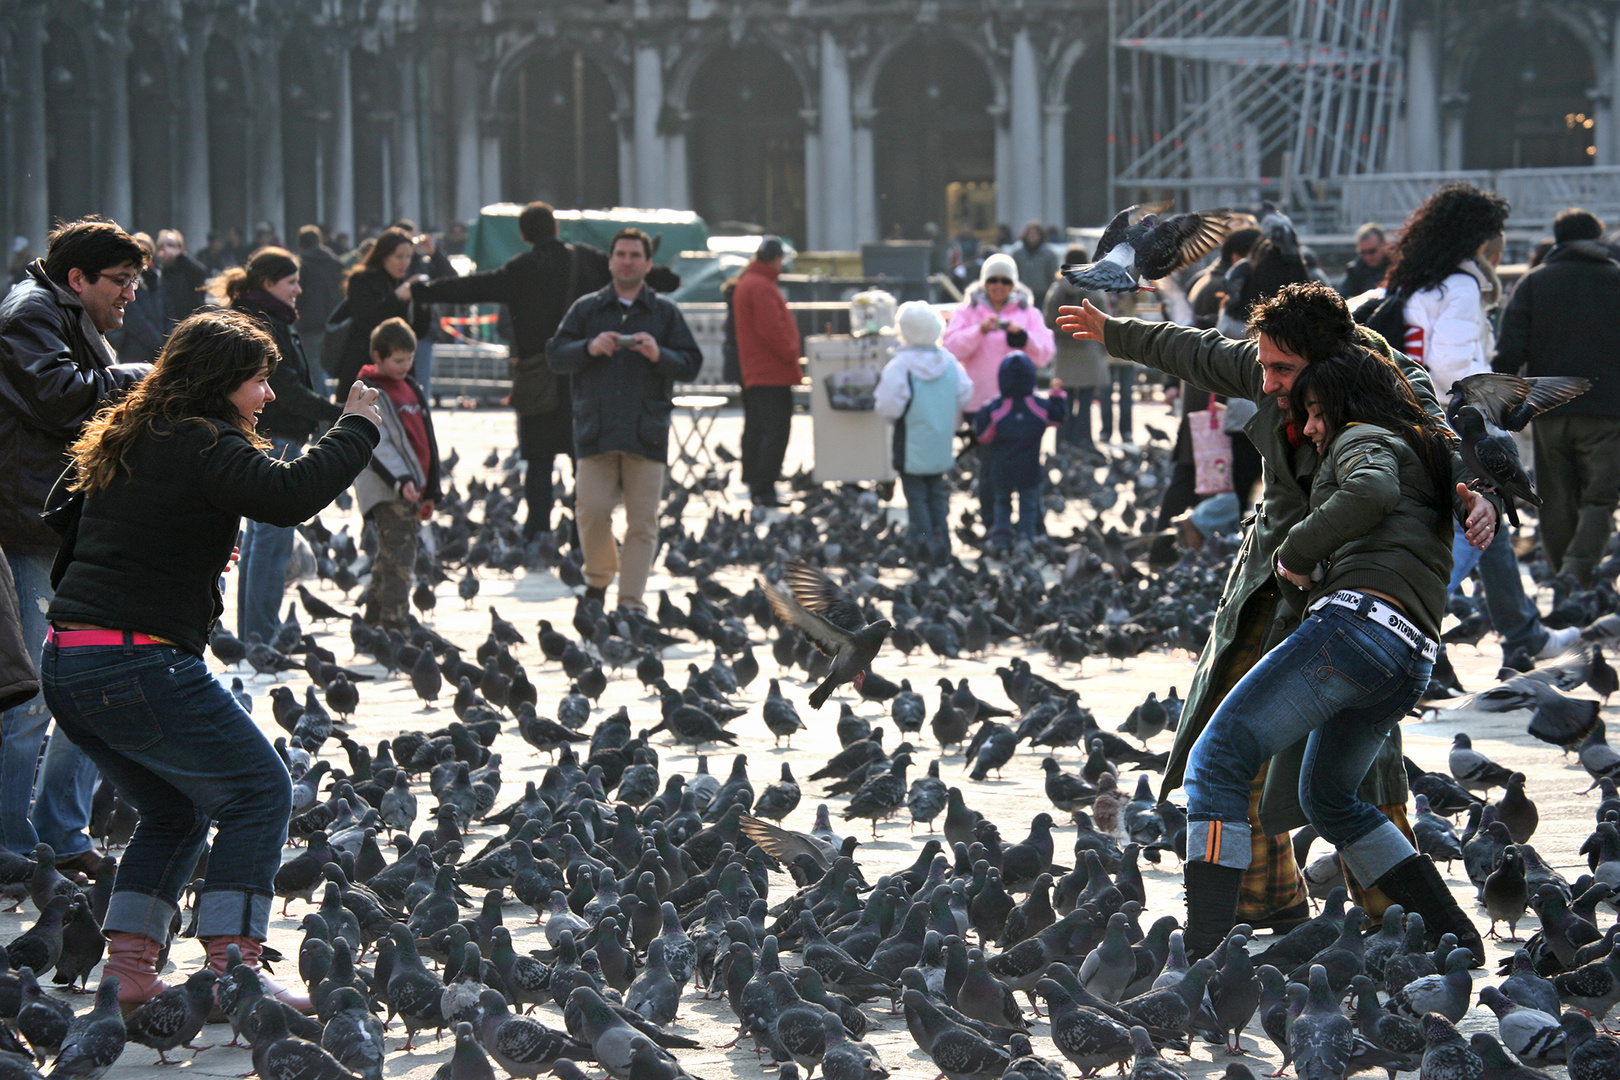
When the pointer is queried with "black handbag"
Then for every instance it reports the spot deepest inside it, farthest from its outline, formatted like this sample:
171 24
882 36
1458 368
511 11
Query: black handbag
339 325
534 384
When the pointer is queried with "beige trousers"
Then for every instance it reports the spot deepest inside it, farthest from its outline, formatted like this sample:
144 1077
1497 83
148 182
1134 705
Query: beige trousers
600 483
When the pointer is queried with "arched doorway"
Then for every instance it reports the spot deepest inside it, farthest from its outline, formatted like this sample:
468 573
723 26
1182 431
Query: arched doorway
71 109
1086 197
151 133
559 140
745 143
1529 104
935 140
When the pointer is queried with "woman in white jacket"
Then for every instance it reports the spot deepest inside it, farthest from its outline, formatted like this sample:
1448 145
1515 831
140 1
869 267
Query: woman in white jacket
1441 266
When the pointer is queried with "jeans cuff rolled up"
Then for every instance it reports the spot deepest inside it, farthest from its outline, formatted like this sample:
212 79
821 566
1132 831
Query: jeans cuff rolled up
131 912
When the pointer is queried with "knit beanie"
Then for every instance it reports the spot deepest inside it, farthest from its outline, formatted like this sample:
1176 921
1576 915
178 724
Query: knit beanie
920 325
999 265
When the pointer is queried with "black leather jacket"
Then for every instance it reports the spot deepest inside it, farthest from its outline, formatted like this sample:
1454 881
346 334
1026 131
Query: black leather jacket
622 401
56 371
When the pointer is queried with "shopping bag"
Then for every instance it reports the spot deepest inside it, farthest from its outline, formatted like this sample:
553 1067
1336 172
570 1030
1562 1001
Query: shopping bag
1212 449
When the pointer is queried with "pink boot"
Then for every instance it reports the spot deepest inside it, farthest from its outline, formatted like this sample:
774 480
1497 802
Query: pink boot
133 958
250 949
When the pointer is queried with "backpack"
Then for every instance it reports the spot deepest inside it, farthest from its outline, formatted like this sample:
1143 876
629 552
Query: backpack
1387 316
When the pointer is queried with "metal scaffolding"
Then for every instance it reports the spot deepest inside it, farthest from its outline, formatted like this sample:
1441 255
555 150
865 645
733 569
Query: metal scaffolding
1225 102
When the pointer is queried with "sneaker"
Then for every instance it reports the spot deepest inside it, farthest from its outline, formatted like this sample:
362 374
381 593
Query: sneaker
1558 641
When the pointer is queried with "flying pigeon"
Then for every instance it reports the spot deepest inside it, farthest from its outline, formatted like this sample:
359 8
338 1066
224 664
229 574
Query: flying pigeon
1140 246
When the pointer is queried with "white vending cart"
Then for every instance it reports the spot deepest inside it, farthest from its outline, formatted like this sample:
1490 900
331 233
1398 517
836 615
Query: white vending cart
852 445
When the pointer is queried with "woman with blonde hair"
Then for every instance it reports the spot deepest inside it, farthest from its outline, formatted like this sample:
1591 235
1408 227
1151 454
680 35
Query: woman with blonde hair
159 484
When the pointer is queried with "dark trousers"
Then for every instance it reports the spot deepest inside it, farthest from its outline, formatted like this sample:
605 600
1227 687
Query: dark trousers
538 445
1076 428
1123 378
767 420
1578 478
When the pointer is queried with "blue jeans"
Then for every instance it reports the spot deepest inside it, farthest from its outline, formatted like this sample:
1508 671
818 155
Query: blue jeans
177 746
1030 510
1512 612
1341 682
928 514
67 779
266 550
423 368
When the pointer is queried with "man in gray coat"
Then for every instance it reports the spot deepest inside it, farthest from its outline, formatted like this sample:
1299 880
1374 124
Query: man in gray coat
626 348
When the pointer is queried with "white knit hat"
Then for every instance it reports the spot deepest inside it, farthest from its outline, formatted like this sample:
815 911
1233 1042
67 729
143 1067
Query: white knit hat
920 325
999 265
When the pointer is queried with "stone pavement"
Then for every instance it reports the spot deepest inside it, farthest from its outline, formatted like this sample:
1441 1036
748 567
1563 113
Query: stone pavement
389 706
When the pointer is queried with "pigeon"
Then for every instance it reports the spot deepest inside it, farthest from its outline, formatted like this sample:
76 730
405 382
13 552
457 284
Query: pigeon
1533 1036
1474 770
1588 1055
1517 811
852 649
1511 401
1594 987
1446 1056
1090 1039
844 1058
960 1053
278 1054
1498 1065
175 1016
1139 246
95 1040
1506 893
1321 1039
353 1036
524 1047
1447 994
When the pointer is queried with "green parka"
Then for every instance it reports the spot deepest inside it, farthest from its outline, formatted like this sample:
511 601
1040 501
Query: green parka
1219 364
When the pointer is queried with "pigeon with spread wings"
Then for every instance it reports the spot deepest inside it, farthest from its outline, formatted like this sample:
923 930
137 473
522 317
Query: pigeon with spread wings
1484 408
1140 246
832 623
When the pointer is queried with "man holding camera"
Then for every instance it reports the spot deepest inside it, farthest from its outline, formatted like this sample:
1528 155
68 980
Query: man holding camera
626 348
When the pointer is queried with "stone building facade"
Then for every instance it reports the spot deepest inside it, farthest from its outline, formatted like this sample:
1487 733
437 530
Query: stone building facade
831 121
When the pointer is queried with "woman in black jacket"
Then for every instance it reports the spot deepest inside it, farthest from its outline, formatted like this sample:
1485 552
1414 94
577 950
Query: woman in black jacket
267 289
377 289
165 477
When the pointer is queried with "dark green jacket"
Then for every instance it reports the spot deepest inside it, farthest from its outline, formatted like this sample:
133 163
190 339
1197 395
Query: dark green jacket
1224 366
1373 521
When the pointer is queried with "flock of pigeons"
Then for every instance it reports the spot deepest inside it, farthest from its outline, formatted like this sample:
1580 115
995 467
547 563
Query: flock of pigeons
564 929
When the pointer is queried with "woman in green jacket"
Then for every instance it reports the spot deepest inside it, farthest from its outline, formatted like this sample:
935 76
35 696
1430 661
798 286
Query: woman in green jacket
1368 566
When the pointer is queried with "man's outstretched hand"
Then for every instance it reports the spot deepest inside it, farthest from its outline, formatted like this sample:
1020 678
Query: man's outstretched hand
1085 322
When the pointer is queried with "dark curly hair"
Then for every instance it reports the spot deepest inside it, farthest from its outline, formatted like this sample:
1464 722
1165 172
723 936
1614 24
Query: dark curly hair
1307 318
1447 228
1358 386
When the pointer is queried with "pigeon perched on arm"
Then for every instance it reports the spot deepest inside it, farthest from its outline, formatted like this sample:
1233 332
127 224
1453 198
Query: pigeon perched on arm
1139 246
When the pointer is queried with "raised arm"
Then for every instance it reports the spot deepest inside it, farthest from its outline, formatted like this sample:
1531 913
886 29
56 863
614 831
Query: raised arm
1202 357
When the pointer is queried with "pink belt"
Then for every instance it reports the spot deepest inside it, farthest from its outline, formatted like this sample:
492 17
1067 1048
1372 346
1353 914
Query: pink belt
68 639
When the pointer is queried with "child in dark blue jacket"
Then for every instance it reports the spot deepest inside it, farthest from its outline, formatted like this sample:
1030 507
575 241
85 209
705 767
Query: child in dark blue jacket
1011 428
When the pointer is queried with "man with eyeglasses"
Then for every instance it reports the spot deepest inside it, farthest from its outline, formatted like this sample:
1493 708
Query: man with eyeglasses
57 369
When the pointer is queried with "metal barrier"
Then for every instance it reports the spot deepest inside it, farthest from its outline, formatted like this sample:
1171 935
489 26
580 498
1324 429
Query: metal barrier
1537 195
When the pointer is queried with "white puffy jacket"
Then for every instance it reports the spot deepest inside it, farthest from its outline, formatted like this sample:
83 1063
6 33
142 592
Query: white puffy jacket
1448 329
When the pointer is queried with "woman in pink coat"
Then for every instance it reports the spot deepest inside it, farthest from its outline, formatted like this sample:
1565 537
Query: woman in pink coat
998 316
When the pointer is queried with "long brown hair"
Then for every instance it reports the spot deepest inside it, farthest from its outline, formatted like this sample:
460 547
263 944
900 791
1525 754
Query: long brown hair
384 246
207 358
264 267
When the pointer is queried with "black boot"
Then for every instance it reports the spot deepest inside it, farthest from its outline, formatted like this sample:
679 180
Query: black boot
1416 885
1212 900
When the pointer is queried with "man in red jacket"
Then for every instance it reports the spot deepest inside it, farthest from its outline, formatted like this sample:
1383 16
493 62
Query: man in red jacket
768 351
